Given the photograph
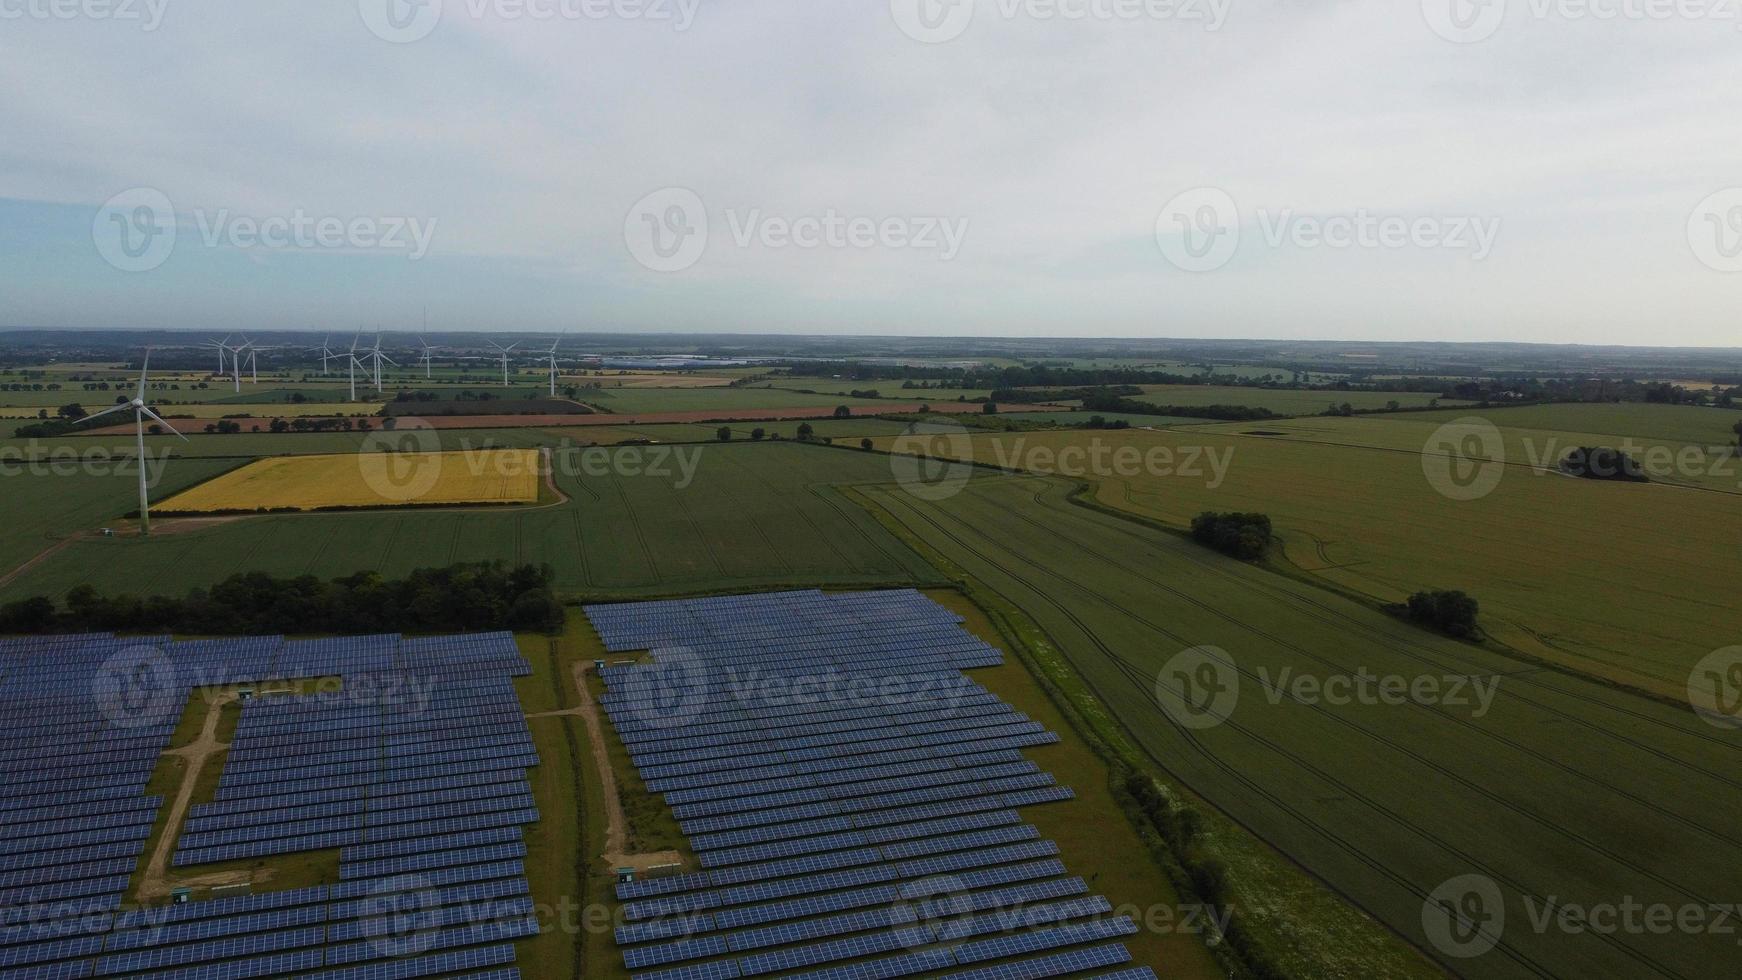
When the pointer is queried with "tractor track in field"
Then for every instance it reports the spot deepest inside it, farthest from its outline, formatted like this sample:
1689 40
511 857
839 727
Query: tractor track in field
1138 677
1319 614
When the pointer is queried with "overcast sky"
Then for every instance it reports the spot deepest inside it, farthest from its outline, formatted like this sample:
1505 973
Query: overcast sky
1214 168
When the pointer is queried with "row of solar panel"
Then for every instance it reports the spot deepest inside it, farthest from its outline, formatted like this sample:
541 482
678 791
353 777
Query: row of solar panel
290 845
218 819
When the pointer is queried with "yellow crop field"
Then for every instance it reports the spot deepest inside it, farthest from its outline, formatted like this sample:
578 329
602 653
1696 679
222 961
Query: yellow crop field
496 476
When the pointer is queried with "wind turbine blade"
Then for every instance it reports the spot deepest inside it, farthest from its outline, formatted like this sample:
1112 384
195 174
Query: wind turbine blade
106 411
161 422
143 366
389 360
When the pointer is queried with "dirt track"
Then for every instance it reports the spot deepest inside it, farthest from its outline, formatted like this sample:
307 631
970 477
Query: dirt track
616 824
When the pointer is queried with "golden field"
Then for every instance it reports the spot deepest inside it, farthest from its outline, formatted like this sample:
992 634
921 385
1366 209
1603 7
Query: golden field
495 476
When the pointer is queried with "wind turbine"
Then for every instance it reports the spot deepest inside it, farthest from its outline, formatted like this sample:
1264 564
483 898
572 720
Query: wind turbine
505 352
355 364
140 411
427 349
236 361
553 345
254 362
376 356
223 347
326 351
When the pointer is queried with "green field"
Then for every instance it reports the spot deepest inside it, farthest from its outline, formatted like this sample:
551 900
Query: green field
890 389
1283 401
1630 582
635 401
1565 788
754 516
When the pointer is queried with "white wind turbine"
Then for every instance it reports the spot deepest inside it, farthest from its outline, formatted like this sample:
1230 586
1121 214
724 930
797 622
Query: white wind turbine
140 411
223 347
325 350
377 357
351 355
427 351
553 345
505 351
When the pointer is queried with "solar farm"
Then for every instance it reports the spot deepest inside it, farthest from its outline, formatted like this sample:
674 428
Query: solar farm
423 798
852 796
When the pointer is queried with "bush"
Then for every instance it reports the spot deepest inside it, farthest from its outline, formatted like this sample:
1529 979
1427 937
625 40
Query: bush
1603 463
724 433
865 444
756 435
990 408
843 412
1450 612
806 432
1242 536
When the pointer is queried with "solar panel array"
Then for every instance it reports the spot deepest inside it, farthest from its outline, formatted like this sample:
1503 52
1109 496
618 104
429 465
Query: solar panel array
412 764
852 797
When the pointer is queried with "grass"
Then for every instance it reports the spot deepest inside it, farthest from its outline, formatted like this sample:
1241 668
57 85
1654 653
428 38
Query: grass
1548 793
1096 842
751 516
1629 583
725 401
507 476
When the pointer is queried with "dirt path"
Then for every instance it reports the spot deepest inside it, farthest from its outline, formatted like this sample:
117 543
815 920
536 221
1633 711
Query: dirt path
616 824
157 881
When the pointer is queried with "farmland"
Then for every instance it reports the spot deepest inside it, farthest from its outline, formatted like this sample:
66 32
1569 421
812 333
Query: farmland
1283 401
499 476
638 521
1383 803
631 401
1629 582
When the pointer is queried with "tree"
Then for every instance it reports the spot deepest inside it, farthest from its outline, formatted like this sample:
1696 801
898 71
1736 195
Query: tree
865 444
757 434
1450 612
806 431
990 408
925 410
72 411
843 412
1242 536
724 433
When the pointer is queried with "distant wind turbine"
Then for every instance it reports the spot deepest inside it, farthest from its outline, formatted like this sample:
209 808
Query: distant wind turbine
222 347
377 357
553 346
325 350
427 349
505 352
140 411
